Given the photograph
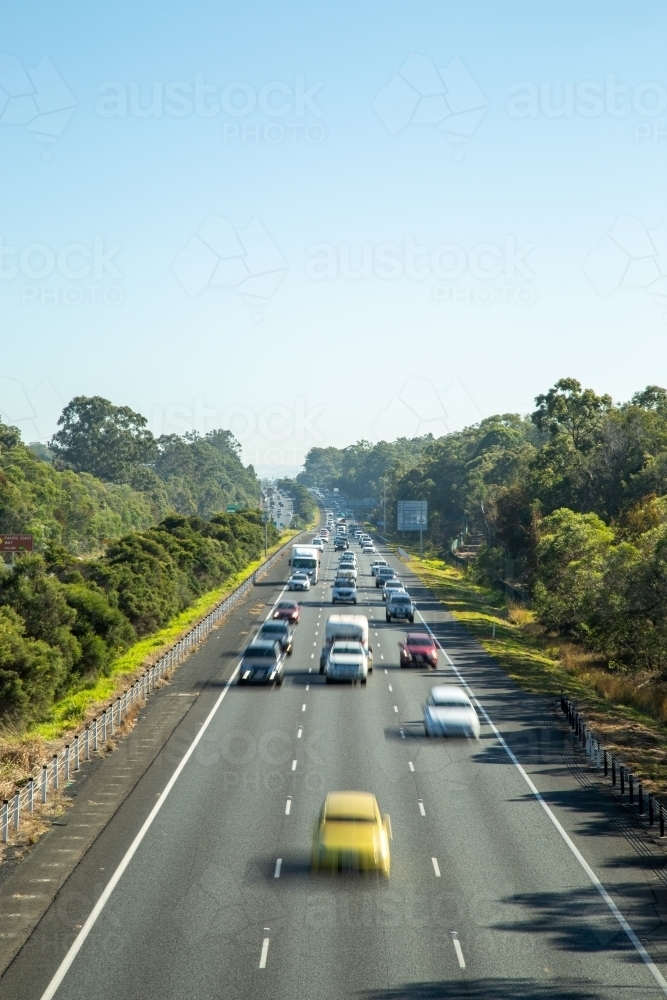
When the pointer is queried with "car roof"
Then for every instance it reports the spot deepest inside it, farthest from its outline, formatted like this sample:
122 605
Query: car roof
350 804
261 644
449 692
274 625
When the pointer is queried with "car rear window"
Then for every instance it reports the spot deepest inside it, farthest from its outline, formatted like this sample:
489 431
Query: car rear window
420 642
400 599
257 652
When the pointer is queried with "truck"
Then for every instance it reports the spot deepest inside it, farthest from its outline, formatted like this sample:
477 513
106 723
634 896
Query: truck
306 558
342 627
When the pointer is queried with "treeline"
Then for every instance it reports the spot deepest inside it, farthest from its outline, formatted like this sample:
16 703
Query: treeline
571 502
64 620
303 503
359 470
189 473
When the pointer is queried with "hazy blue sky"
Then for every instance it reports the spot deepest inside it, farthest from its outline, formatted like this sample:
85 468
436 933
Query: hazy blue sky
321 222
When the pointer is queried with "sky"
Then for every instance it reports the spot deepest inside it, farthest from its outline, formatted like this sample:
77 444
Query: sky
316 223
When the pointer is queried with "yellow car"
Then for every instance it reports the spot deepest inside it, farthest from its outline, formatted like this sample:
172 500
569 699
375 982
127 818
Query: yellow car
352 834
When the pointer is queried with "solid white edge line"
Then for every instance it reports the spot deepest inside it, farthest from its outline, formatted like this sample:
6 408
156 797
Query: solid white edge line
646 958
79 940
459 953
76 945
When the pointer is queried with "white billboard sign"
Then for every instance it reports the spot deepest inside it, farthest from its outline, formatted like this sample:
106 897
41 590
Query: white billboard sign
412 515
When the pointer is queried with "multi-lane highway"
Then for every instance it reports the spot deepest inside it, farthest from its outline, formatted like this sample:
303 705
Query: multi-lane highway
488 897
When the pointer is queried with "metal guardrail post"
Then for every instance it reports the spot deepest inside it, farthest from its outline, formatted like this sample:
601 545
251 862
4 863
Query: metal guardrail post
95 734
662 821
16 811
77 764
86 743
31 796
5 821
650 810
631 783
621 769
104 726
110 711
640 798
66 763
605 757
45 781
55 772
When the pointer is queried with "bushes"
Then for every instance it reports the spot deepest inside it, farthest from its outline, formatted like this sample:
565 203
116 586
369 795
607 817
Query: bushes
63 621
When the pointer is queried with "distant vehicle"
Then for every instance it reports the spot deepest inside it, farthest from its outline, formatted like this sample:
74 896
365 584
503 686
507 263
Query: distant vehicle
382 574
299 581
279 631
368 548
306 558
346 627
375 565
346 573
318 543
324 532
348 558
287 611
263 662
449 712
347 661
352 834
340 542
391 584
344 591
399 606
417 649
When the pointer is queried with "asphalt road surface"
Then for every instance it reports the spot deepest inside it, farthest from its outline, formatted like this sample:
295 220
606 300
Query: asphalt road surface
486 899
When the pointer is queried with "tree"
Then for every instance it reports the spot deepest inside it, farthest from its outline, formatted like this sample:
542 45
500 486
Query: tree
568 409
97 437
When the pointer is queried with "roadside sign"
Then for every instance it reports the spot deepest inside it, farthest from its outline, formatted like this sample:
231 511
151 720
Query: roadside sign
15 543
232 508
412 515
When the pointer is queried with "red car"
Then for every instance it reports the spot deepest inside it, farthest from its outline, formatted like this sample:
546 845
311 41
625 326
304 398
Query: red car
287 611
418 648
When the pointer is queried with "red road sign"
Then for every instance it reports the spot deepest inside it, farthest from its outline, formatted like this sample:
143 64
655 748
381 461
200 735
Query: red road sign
15 543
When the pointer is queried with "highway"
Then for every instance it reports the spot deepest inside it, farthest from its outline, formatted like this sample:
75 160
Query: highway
486 898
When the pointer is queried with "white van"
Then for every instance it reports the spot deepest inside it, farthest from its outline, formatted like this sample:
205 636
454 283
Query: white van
341 627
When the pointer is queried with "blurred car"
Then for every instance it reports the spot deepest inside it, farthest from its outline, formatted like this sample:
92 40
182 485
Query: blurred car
344 590
318 543
449 712
399 606
389 585
347 569
384 573
340 542
262 663
351 834
375 565
298 581
279 631
368 548
347 661
287 611
417 649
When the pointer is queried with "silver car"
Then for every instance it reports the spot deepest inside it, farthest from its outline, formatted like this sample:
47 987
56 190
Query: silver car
390 586
344 591
449 712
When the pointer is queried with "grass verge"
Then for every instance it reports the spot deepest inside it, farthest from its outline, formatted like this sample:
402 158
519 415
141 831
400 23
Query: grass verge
628 713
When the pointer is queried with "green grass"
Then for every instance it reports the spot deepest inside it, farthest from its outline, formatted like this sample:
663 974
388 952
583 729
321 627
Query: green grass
69 712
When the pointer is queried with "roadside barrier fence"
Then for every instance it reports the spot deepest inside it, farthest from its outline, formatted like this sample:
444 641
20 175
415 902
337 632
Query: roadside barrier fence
648 806
96 734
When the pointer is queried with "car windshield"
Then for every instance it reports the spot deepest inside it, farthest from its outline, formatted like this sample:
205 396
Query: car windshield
400 599
304 562
286 606
394 585
276 627
450 700
347 647
260 651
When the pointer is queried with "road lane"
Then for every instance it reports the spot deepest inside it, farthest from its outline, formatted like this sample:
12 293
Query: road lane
189 918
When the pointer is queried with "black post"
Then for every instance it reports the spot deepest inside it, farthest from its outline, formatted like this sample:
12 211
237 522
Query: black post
662 822
606 763
641 798
613 770
650 810
631 781
622 780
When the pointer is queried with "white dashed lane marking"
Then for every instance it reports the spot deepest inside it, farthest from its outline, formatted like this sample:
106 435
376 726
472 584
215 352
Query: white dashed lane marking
436 867
276 873
411 765
265 952
288 805
421 808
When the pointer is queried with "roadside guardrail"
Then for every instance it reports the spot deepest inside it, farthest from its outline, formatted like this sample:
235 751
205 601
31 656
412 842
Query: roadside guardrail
96 733
621 777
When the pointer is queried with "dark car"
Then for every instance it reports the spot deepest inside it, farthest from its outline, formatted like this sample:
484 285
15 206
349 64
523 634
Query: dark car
280 631
418 649
288 611
383 574
399 605
263 663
